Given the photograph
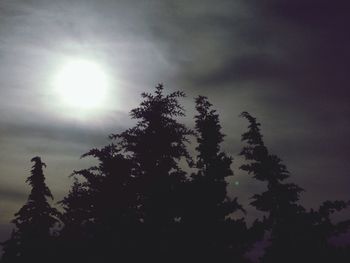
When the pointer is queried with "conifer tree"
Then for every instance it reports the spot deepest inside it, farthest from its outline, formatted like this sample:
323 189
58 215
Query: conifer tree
216 235
31 239
156 144
99 208
214 166
280 201
132 199
296 235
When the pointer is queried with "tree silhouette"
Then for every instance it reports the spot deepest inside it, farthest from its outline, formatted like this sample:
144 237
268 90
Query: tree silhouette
132 198
156 145
100 210
214 235
31 239
213 165
295 234
140 203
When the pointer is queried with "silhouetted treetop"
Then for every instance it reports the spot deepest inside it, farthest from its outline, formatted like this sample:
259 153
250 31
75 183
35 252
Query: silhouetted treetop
33 222
214 165
280 198
253 136
209 228
37 211
153 105
37 180
209 133
263 166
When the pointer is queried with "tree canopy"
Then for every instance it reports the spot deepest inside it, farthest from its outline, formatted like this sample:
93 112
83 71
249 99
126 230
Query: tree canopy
150 197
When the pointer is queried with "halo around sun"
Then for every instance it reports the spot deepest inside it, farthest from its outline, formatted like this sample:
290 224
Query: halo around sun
81 84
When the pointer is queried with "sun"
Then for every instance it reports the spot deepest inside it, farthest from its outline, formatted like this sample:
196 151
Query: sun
81 84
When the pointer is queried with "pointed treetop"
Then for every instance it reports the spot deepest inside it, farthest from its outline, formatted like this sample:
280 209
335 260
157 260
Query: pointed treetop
37 179
38 161
253 135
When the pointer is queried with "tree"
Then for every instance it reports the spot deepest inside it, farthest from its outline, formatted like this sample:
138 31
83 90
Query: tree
213 165
31 239
215 235
130 201
156 144
279 201
99 210
296 235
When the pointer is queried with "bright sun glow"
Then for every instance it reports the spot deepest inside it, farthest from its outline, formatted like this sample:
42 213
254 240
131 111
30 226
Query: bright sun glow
81 84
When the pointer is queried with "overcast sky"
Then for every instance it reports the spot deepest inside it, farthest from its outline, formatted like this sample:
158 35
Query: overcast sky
286 62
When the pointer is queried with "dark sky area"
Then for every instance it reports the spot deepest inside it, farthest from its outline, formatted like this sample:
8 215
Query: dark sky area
286 62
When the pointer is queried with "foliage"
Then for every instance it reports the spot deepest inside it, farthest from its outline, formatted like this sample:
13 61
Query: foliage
207 219
147 199
33 222
296 235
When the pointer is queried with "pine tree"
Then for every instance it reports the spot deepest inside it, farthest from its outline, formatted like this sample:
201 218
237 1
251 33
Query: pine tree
281 198
99 210
216 236
156 145
296 235
31 240
214 166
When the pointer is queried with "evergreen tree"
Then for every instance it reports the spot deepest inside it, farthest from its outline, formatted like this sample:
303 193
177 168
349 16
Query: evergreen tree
99 210
213 165
156 145
214 235
280 200
296 235
132 199
31 240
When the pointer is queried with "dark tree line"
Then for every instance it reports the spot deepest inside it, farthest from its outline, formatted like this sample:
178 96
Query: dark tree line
139 203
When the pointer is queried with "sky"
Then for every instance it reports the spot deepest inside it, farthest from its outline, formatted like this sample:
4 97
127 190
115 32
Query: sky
286 62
